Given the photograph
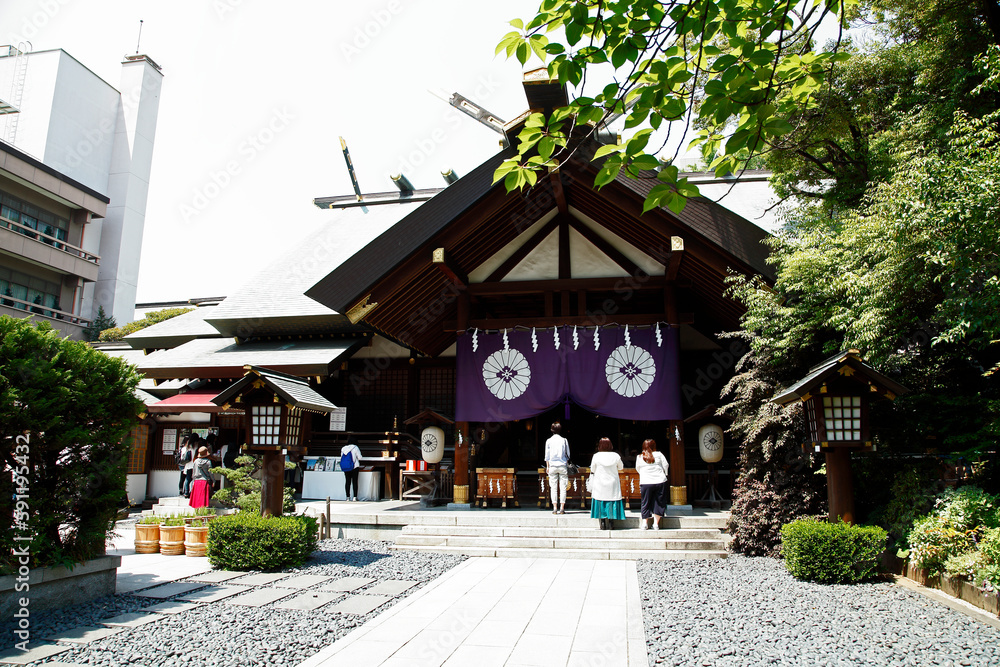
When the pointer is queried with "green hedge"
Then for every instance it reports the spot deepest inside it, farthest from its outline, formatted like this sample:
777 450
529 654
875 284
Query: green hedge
248 541
831 553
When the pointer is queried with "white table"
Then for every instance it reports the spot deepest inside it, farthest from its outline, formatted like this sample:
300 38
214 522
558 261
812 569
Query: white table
320 485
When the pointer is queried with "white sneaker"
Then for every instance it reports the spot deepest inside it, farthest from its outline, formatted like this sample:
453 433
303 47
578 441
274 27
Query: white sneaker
645 526
656 526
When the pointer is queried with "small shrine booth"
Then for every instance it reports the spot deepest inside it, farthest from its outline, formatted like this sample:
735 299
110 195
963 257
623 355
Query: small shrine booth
562 302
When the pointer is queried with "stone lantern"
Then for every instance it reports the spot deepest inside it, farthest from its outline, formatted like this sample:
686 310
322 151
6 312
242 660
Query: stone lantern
278 409
837 393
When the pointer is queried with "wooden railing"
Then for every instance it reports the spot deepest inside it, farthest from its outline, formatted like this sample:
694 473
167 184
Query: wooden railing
56 243
44 311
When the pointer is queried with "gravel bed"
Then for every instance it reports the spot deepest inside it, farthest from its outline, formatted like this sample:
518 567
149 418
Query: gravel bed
224 634
751 611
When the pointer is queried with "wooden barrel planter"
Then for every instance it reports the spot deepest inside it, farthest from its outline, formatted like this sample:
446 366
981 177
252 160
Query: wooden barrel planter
147 538
195 540
172 540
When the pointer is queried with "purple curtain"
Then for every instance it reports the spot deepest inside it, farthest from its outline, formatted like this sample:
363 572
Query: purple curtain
627 376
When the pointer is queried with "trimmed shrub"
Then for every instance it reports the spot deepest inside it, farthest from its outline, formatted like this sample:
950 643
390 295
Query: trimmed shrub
988 577
934 540
116 333
831 553
249 541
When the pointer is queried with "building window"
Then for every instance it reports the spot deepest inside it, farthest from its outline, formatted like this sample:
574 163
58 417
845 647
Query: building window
138 440
42 297
21 212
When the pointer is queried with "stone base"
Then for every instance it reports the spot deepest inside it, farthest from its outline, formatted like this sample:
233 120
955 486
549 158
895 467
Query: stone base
459 506
54 587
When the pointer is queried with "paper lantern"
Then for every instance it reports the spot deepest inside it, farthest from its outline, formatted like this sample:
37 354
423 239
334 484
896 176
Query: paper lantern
432 444
710 443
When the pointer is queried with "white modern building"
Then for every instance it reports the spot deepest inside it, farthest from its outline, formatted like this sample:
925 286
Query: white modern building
75 163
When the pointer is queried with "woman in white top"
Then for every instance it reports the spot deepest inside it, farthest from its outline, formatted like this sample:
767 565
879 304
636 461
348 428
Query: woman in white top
606 489
652 467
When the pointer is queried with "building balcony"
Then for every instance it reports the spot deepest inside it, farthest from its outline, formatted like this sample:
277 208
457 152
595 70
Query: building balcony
65 323
34 246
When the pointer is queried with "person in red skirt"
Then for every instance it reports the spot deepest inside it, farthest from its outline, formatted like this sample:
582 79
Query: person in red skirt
201 486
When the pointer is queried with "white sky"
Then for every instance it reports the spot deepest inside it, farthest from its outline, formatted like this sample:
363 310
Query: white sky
238 69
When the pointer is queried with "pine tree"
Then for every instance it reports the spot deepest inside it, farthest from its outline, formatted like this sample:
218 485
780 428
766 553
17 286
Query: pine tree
99 324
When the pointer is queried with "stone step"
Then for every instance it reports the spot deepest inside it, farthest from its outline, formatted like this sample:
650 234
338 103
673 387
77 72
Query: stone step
514 518
584 554
601 541
586 532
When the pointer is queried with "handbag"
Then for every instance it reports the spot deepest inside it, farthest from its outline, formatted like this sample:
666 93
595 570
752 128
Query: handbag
572 468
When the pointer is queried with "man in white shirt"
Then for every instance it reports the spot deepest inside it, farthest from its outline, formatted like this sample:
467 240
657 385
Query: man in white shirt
556 465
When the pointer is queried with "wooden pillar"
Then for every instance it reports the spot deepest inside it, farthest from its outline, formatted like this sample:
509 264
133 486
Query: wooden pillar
272 492
678 472
461 486
839 487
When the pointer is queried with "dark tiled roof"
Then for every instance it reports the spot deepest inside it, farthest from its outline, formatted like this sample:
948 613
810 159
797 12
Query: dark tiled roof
831 367
293 390
273 301
223 358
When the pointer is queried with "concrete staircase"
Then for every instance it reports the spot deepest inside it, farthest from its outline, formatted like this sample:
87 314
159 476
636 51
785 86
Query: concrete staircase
171 506
680 538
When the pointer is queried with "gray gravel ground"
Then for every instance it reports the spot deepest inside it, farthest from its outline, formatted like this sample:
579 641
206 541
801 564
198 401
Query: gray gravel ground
223 634
750 611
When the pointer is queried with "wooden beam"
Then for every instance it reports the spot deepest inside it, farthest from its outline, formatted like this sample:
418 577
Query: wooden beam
565 270
573 285
557 189
612 252
594 319
673 265
508 265
443 261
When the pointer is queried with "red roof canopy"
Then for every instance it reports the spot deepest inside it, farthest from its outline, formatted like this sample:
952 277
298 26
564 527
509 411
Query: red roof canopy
199 400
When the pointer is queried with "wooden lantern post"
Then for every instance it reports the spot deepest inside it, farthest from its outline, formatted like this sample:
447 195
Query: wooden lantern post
277 408
837 394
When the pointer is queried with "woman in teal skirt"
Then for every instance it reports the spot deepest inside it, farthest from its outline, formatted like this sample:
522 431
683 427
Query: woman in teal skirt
606 490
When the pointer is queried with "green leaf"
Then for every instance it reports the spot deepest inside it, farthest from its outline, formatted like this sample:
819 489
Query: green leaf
546 146
715 87
607 149
518 23
607 173
645 162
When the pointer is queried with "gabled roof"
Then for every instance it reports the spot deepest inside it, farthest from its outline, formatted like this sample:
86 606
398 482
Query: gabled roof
293 390
273 301
175 331
841 365
390 282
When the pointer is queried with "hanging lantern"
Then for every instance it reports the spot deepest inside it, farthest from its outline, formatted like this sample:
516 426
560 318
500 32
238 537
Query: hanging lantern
710 443
432 444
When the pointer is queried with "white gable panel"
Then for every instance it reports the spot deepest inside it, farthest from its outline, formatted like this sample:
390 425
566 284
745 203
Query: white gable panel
542 263
645 259
587 261
482 272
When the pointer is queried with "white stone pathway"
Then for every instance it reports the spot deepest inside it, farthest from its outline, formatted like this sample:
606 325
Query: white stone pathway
507 612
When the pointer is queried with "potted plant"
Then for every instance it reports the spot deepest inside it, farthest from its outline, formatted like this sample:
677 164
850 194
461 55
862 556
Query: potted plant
172 536
147 535
196 537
